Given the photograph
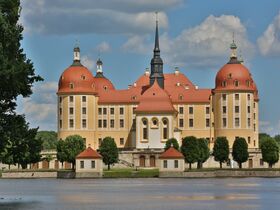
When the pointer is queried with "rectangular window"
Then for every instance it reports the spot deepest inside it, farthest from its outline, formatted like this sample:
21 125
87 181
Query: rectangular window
165 164
121 111
224 96
191 110
99 141
121 141
237 122
104 111
71 98
84 110
248 97
112 123
236 109
133 110
60 99
261 162
249 122
207 122
71 110
236 96
254 105
60 123
99 123
84 99
224 109
112 111
84 122
121 123
104 123
60 111
254 116
82 164
254 127
71 123
176 164
181 110
181 123
100 111
190 123
224 122
207 110
248 109
93 164
249 140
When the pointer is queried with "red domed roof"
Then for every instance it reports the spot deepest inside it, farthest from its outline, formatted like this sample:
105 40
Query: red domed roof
103 84
155 100
76 79
234 76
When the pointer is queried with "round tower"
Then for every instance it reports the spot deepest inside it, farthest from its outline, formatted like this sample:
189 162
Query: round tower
235 102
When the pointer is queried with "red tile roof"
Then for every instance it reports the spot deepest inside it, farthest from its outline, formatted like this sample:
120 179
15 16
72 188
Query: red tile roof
171 153
89 153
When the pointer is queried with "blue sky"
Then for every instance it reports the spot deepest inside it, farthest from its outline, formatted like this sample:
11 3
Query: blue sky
194 35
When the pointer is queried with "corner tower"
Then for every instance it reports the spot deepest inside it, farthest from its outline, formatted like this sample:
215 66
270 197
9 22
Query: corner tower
157 63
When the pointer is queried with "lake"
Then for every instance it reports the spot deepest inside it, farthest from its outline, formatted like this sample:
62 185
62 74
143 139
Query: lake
153 193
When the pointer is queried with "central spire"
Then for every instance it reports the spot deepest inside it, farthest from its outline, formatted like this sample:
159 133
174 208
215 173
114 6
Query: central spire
156 62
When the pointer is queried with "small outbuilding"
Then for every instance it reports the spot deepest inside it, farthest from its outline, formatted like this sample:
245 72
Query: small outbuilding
89 164
171 162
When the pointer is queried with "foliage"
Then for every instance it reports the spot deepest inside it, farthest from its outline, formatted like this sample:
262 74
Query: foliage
221 150
204 152
109 151
270 151
171 142
61 155
263 136
277 139
240 151
190 149
17 76
49 139
72 146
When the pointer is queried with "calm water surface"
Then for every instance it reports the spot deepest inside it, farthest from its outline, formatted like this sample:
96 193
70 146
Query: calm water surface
126 194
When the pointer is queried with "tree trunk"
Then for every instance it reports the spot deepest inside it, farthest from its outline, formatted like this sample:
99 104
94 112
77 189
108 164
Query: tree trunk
9 166
270 165
240 165
221 164
108 167
190 166
73 166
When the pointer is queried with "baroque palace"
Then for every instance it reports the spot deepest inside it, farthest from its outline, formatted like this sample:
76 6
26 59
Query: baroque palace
157 107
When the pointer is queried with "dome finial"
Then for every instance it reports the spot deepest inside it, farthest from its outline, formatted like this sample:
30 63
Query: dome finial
99 71
233 47
76 60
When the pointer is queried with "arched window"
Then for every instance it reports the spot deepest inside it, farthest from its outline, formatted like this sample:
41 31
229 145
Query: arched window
236 83
154 123
165 128
71 85
224 83
145 128
248 83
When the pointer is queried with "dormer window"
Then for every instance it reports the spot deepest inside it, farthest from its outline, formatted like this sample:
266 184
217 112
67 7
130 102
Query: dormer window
105 88
224 84
180 97
71 85
236 83
248 83
83 77
133 97
229 75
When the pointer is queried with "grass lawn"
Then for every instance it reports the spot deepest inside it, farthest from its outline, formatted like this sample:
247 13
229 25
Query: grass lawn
231 169
130 173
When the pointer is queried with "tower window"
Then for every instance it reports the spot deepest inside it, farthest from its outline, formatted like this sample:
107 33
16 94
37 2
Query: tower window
191 110
237 123
236 109
248 83
190 123
181 123
207 122
71 98
84 99
71 110
71 123
60 123
248 109
121 110
104 123
249 122
84 122
224 84
224 96
181 110
224 109
121 141
236 96
112 111
84 110
236 83
112 123
207 110
224 122
104 111
99 123
100 111
248 97
71 85
121 123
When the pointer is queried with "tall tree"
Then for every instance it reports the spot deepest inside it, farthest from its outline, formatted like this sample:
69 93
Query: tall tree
172 142
277 139
240 151
204 152
73 146
270 151
16 71
61 155
49 139
221 150
109 151
263 136
190 150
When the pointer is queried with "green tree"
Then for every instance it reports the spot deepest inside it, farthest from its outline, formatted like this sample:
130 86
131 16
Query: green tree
263 136
61 155
204 152
49 139
221 150
16 72
240 151
171 142
73 145
190 150
277 139
270 151
109 151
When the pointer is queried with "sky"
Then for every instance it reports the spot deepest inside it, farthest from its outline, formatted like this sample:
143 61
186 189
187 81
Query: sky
194 35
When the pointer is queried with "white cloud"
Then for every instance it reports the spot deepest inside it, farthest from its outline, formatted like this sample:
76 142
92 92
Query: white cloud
270 127
88 62
93 16
269 42
41 108
205 45
103 47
